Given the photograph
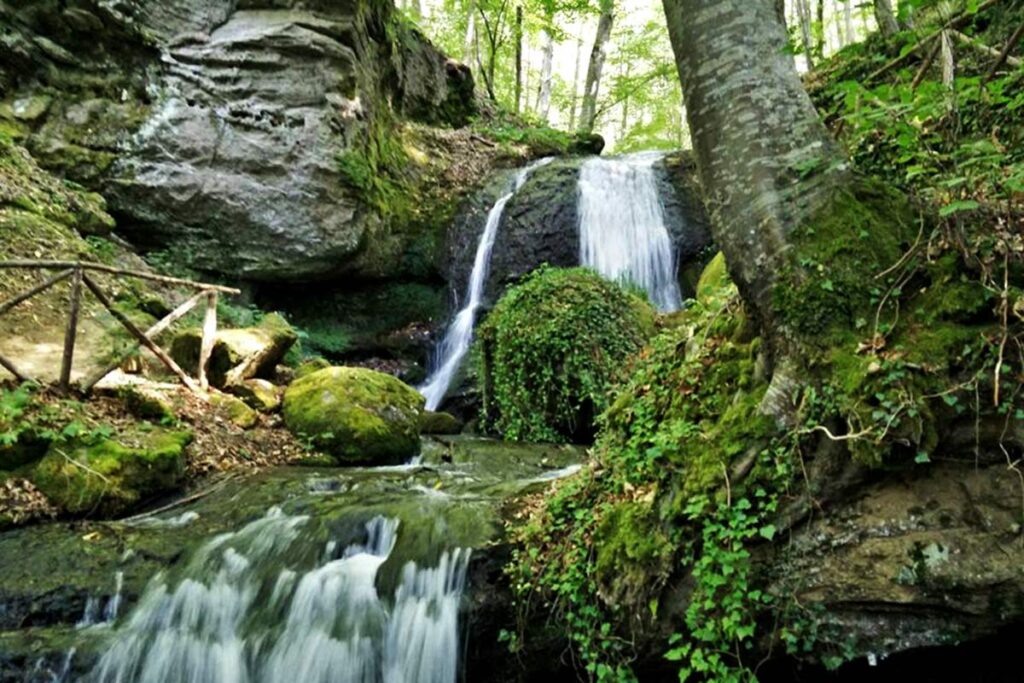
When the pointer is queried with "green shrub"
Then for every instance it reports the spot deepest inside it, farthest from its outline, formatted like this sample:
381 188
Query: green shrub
550 350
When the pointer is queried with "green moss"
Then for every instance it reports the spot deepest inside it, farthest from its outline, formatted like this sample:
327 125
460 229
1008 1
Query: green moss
632 552
110 476
551 348
837 254
355 414
235 410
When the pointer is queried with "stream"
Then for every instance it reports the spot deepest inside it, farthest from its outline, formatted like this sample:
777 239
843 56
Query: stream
355 575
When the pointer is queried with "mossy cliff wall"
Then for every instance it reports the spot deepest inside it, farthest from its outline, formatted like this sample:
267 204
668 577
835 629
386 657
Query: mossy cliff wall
220 130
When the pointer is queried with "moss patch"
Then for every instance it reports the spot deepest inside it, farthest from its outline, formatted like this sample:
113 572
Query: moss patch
356 415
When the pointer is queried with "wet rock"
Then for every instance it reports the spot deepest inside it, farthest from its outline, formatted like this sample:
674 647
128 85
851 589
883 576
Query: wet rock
109 476
356 415
440 423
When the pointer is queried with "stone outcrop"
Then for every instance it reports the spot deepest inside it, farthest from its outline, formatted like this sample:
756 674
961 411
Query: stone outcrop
215 128
541 223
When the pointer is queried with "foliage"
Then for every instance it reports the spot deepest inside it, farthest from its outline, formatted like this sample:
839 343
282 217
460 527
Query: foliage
550 349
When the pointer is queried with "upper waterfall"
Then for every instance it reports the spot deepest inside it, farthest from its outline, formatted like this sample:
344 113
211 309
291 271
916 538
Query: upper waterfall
453 348
622 226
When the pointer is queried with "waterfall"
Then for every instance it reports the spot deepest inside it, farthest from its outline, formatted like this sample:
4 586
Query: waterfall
448 356
622 226
262 605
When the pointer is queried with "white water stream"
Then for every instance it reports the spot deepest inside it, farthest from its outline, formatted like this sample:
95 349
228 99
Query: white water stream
457 338
246 610
622 226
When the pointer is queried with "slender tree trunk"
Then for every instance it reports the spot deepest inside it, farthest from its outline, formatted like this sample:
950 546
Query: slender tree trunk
885 18
588 113
575 84
469 42
624 122
804 13
819 32
840 38
544 98
848 22
752 124
519 55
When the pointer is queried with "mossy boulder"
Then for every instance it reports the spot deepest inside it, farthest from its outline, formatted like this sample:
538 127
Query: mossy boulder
440 423
238 354
308 367
235 410
147 403
355 415
110 476
258 394
551 349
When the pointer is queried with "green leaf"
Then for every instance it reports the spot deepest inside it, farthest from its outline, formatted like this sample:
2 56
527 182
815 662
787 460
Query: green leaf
922 458
767 532
959 205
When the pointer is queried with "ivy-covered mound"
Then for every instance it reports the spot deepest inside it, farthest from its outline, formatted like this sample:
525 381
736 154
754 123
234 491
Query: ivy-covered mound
550 350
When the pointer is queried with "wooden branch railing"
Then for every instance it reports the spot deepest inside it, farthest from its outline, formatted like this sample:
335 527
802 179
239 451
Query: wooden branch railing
78 271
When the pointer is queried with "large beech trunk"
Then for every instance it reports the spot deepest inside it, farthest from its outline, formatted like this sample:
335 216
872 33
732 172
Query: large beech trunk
765 159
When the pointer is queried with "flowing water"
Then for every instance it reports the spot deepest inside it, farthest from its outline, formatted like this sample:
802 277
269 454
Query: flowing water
290 576
453 348
622 226
255 606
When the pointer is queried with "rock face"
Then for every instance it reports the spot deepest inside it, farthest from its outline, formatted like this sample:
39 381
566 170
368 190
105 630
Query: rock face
217 126
541 223
356 415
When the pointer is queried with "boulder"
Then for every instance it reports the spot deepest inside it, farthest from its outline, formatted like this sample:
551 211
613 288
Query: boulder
107 477
147 403
235 410
258 394
440 423
238 354
355 415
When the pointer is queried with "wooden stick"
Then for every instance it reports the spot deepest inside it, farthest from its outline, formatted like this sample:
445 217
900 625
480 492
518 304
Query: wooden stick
209 336
1005 54
72 330
985 49
38 289
143 339
955 22
153 332
926 64
18 375
119 271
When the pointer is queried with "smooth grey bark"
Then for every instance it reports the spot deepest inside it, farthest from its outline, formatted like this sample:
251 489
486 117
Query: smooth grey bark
519 56
469 42
575 84
803 12
588 112
885 17
544 98
851 36
765 159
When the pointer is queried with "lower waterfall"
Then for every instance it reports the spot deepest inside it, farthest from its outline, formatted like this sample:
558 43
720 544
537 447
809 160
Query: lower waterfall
622 226
264 604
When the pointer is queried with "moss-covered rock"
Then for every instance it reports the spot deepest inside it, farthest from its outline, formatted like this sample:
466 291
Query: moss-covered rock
356 415
110 476
235 410
551 348
147 403
238 354
308 367
258 394
440 423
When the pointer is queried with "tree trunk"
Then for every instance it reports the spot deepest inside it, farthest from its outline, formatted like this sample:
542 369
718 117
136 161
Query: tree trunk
804 13
885 18
819 32
575 84
848 22
519 56
588 113
469 42
544 99
766 161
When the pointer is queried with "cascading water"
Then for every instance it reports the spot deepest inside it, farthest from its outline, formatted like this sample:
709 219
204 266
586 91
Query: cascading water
622 226
263 605
448 356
